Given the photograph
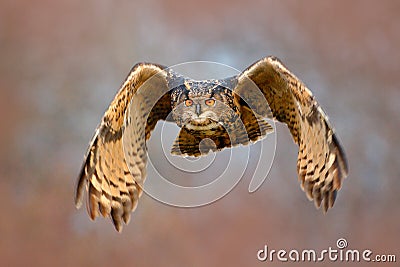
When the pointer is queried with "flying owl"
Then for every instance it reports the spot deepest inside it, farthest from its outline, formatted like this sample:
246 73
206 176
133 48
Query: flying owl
223 113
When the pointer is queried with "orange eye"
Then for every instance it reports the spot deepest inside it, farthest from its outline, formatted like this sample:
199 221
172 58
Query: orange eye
210 102
188 102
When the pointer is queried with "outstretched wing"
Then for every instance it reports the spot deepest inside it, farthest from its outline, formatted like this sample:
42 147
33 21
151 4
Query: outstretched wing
112 180
321 162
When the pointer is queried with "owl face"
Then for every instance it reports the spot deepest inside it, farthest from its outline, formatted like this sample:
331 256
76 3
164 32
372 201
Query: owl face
202 106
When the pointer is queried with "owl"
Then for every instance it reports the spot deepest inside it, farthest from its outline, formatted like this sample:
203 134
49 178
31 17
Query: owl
212 115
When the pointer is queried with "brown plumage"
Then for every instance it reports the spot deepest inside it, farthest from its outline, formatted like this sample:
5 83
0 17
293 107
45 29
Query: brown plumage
229 112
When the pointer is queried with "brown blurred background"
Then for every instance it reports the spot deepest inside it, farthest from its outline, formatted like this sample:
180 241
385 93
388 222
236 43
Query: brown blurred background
61 63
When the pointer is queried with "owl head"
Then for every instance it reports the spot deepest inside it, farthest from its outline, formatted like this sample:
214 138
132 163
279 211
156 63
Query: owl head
202 105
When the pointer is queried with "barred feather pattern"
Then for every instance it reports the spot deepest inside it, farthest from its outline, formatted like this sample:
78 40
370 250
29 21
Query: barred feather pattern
321 162
111 176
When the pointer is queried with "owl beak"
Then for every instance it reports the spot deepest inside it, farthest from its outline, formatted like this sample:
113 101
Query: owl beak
198 109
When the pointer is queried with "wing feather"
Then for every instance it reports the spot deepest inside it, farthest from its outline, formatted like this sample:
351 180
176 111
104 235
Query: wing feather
321 163
112 181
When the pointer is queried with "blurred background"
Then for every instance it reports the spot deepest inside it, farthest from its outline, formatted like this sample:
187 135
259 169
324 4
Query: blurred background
61 63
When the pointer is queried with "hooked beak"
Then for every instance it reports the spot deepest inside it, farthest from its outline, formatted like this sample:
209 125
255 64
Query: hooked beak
198 109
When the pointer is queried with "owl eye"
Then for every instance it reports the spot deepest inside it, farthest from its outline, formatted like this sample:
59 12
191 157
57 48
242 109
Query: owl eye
210 102
188 102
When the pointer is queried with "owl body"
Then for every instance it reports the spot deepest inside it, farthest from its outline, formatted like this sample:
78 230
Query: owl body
212 115
210 119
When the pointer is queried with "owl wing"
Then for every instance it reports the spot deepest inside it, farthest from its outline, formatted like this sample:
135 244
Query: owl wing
112 181
321 163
